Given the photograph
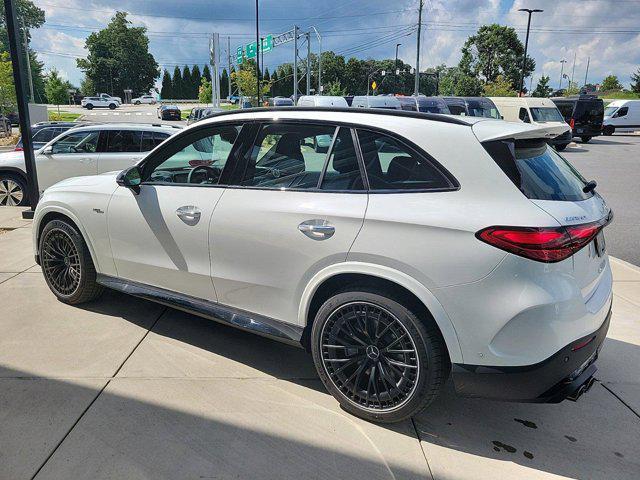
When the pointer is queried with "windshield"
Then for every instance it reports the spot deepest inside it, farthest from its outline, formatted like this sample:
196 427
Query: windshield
481 109
546 114
610 111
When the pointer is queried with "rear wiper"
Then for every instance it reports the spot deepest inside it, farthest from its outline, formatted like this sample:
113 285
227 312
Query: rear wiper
590 186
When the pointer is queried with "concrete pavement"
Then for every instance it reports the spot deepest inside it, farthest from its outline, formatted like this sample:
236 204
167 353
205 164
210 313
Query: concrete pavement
123 388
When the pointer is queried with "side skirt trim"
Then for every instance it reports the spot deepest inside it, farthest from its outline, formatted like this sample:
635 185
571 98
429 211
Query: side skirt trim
252 322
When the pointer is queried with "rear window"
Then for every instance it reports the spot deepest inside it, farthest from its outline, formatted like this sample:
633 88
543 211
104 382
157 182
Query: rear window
537 170
566 109
589 110
482 109
546 114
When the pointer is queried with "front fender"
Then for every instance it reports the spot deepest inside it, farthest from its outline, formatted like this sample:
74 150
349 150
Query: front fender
395 276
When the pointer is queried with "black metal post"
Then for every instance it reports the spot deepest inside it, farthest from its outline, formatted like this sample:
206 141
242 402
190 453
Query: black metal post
526 45
395 69
258 48
17 61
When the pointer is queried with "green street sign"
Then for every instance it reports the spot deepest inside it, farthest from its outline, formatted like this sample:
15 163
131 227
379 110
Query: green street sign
251 50
267 43
239 55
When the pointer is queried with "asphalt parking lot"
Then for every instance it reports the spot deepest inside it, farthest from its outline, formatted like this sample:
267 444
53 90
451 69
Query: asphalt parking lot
614 162
123 388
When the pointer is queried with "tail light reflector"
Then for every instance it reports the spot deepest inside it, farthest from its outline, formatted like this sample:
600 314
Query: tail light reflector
18 149
543 244
572 123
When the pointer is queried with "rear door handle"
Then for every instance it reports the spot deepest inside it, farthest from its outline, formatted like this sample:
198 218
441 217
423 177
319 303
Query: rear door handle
317 229
189 214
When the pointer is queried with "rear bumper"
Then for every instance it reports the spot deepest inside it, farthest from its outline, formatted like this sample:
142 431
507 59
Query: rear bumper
566 374
587 131
561 139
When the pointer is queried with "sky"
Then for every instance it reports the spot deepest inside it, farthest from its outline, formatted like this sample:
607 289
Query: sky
605 31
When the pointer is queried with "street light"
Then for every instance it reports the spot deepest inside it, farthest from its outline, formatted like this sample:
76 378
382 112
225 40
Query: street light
526 43
562 62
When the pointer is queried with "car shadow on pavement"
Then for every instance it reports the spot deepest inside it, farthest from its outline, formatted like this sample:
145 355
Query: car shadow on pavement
605 141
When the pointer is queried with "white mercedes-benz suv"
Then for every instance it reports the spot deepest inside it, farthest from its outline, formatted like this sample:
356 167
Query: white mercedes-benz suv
399 248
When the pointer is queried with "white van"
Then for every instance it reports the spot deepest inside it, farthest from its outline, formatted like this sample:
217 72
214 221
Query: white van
537 111
621 114
322 101
376 101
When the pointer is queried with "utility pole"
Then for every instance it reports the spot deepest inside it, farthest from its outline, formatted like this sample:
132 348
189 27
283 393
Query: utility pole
308 63
295 64
562 62
573 70
417 79
587 72
229 59
26 51
395 68
258 45
526 44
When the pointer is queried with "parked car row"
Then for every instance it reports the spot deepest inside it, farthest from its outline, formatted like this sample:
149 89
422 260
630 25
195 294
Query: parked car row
365 235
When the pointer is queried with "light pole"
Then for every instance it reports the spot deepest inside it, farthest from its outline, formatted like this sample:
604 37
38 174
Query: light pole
258 45
526 44
562 62
395 67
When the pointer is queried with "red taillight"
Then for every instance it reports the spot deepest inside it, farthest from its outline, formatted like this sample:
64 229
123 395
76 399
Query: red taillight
543 244
572 122
18 149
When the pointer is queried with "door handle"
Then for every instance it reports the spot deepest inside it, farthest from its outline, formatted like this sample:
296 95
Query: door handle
189 214
317 229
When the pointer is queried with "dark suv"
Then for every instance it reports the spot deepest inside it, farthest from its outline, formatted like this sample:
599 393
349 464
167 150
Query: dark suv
584 113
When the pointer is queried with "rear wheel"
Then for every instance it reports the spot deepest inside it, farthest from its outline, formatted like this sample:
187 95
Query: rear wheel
13 190
66 263
137 102
88 106
376 357
112 106
585 139
608 130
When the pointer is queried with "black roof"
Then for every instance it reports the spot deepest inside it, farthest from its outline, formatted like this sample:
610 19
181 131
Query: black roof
436 117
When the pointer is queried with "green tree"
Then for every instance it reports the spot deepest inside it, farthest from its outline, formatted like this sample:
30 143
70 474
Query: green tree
542 90
635 85
56 89
176 82
454 81
187 85
119 58
166 90
335 88
224 84
206 73
495 50
572 89
7 89
205 93
247 82
196 78
609 83
500 87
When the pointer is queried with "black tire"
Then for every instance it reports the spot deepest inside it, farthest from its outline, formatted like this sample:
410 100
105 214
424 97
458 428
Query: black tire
585 139
112 106
608 130
423 361
13 190
560 147
137 102
88 106
66 264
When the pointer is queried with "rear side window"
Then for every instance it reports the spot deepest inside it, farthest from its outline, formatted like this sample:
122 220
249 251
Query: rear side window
566 109
537 170
44 135
391 165
151 140
123 141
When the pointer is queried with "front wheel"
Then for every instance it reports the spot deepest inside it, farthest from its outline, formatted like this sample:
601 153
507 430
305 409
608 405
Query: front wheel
376 357
608 130
88 106
66 263
585 139
13 191
137 102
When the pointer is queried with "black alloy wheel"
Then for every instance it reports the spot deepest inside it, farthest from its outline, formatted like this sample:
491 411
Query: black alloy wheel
370 356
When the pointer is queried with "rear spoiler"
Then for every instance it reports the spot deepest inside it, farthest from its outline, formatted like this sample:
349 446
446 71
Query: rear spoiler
489 130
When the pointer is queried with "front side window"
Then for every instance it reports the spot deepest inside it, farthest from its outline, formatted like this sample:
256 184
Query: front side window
391 165
119 141
77 142
622 112
546 114
288 156
200 161
524 115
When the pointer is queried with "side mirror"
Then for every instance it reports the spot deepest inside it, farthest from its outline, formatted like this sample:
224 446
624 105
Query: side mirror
48 150
130 178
